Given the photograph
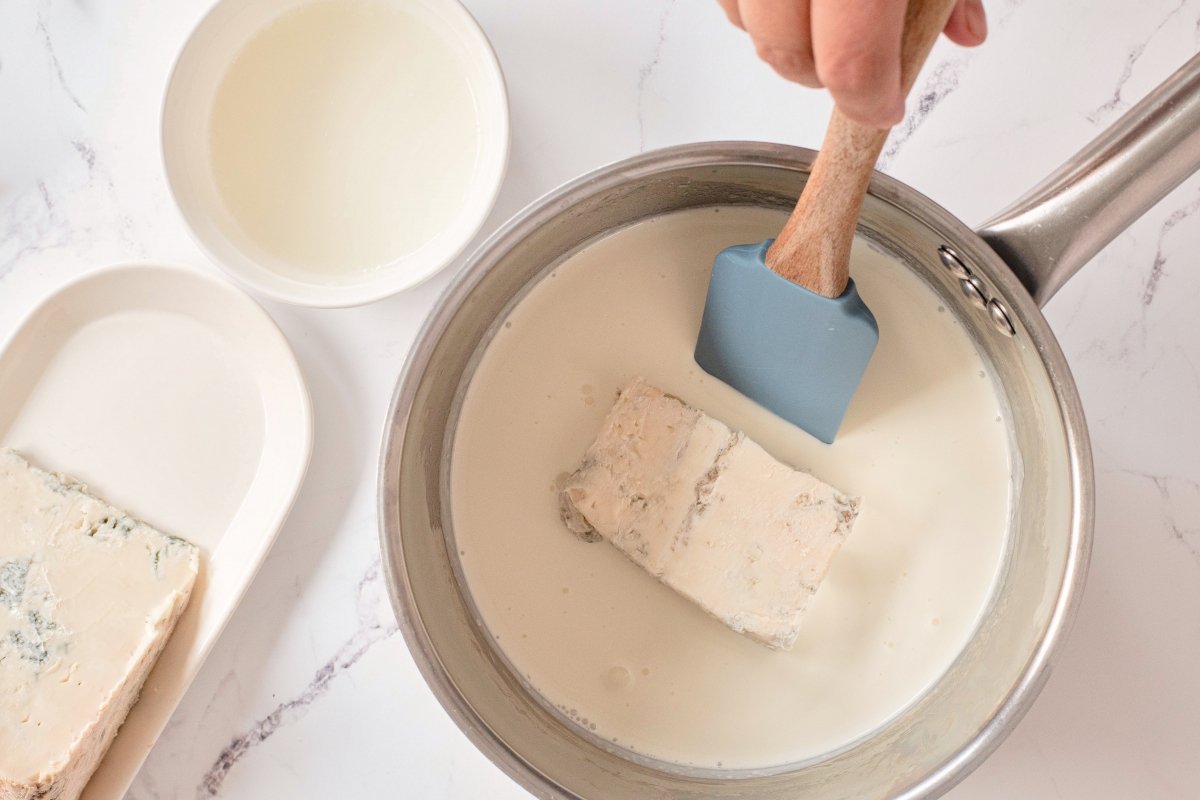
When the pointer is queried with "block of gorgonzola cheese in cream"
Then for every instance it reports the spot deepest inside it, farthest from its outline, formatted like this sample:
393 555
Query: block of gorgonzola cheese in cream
708 512
88 599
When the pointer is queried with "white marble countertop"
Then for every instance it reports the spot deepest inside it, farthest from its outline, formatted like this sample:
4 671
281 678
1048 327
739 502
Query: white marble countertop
311 692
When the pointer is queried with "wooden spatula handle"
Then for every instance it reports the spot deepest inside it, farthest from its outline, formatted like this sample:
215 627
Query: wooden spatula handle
813 249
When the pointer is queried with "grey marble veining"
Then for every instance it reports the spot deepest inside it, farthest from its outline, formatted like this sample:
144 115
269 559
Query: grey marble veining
1157 268
371 630
43 27
647 69
318 699
29 224
943 78
1117 101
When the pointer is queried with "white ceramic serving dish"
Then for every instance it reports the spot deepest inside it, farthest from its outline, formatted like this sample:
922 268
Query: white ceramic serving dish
175 397
187 110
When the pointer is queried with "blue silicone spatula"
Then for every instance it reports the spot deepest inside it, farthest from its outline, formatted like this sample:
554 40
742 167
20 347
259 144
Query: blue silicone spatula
783 323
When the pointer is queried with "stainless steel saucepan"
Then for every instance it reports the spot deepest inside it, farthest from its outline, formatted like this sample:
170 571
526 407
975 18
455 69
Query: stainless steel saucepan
994 280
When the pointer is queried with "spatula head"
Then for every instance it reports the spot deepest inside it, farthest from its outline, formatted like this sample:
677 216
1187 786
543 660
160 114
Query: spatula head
792 351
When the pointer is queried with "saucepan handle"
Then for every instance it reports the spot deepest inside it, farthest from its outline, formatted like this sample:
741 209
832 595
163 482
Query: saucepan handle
1056 228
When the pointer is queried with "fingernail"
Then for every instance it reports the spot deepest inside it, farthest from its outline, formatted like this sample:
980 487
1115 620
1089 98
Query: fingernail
976 19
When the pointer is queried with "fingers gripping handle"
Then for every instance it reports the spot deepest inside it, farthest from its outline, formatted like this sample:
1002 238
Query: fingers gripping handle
813 249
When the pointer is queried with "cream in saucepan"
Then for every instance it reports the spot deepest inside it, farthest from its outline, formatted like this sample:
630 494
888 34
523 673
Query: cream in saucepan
622 655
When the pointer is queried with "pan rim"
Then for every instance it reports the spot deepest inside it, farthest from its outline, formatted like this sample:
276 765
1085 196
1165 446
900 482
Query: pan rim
1033 675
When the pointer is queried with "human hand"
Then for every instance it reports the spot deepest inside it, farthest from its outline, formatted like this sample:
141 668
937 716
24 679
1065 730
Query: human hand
850 47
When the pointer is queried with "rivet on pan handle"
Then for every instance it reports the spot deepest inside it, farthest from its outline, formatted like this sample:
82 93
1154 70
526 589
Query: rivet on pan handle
976 292
1056 228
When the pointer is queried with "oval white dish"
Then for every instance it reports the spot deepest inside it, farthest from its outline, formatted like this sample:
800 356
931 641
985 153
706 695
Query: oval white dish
175 397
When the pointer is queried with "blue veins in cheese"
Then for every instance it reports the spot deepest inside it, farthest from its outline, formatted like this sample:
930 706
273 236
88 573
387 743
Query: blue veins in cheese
88 598
708 512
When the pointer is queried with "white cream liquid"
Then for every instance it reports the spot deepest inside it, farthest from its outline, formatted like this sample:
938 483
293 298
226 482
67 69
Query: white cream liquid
344 136
923 444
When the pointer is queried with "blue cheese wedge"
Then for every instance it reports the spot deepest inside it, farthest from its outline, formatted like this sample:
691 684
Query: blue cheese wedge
708 512
88 598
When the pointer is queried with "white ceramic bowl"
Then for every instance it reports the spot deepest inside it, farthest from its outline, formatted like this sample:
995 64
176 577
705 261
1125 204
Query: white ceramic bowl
187 110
